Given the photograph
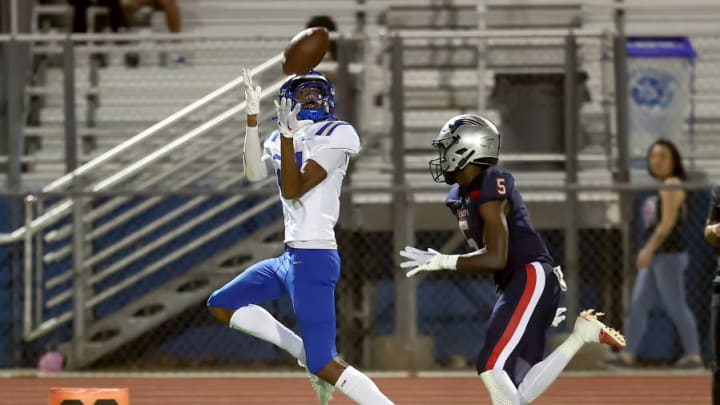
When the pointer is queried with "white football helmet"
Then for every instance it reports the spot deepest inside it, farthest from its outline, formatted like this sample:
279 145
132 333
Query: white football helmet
466 138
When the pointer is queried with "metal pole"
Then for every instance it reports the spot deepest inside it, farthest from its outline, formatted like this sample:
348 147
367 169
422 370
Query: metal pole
78 280
343 84
38 265
14 80
13 17
28 269
482 57
622 172
572 111
78 226
69 105
403 213
347 295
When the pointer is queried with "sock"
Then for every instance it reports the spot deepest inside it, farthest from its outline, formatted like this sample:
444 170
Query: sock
501 389
542 374
360 388
258 322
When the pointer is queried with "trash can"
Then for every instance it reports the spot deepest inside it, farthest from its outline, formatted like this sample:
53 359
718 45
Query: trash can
660 89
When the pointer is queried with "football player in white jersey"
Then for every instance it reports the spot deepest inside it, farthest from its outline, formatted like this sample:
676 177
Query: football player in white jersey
309 153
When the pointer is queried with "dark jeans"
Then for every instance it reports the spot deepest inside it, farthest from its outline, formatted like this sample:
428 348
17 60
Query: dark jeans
117 18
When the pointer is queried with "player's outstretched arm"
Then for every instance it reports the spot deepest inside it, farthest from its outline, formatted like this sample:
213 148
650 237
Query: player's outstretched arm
295 181
255 168
491 258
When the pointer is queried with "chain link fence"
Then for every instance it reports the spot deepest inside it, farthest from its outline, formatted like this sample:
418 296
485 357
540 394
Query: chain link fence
451 308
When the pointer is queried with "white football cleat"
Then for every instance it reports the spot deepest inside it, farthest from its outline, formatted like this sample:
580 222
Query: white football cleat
591 330
323 389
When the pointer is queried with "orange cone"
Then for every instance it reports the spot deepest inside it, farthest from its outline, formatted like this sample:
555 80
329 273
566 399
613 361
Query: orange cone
89 396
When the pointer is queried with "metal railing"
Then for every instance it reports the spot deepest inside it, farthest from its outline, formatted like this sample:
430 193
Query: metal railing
83 270
66 181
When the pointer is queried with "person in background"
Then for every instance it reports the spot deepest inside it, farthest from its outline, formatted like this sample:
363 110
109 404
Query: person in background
173 21
662 260
168 7
115 12
349 92
329 24
712 236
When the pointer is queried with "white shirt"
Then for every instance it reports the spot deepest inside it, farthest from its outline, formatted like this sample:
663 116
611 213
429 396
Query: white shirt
310 220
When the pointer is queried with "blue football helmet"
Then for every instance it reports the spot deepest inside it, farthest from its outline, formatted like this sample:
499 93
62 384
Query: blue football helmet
315 94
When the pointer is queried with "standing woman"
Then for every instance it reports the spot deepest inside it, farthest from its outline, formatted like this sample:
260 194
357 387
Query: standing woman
712 236
663 259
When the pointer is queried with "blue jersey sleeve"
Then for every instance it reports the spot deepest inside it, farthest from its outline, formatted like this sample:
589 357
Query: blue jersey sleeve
497 184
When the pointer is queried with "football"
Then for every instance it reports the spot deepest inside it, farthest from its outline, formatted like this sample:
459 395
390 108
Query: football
306 50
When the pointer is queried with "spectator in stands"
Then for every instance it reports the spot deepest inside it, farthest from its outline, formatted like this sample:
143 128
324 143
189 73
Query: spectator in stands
172 20
168 7
329 24
663 259
349 101
80 7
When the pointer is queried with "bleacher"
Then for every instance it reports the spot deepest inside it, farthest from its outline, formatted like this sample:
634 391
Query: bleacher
120 101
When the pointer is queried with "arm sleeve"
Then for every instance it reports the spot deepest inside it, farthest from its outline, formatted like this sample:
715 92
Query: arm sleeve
253 160
330 159
714 214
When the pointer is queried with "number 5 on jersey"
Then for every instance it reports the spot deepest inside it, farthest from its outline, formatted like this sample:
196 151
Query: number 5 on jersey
501 185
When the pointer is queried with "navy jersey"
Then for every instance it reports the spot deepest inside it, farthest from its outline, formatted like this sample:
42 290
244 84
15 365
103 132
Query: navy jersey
495 183
714 216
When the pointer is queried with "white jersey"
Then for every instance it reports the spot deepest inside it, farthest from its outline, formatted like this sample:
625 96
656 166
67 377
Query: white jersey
310 220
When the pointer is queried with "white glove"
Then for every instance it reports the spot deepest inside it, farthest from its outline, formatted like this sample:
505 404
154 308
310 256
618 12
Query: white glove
288 123
430 260
252 96
559 316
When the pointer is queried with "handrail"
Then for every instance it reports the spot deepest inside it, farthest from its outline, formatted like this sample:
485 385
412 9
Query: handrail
146 36
166 149
169 258
65 180
96 213
56 212
107 227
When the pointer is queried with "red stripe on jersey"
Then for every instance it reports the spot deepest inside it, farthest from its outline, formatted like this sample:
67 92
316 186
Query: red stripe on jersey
530 283
475 194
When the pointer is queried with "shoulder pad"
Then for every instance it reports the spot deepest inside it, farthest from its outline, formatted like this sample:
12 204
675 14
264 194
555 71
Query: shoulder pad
497 184
335 135
272 136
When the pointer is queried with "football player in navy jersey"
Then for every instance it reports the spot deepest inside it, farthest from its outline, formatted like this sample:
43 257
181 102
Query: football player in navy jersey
495 221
